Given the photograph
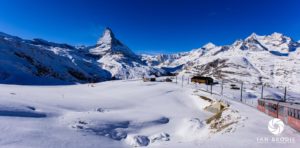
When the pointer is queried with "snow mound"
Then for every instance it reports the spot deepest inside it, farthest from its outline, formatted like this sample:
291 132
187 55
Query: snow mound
159 137
113 130
193 129
137 140
226 121
140 140
21 111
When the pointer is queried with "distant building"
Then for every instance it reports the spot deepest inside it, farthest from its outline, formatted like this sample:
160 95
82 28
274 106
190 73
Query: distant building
204 80
149 78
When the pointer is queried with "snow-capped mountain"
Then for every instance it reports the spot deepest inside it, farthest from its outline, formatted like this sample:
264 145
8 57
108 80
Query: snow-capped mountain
115 57
108 44
162 59
41 62
273 59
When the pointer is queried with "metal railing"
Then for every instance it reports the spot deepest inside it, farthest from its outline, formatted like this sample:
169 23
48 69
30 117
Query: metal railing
245 93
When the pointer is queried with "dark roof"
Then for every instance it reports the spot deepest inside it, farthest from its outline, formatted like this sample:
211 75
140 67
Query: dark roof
200 77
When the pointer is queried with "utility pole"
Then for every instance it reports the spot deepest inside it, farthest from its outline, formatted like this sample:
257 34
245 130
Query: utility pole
241 91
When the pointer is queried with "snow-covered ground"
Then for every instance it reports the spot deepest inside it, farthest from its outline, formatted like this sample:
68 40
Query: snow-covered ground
126 113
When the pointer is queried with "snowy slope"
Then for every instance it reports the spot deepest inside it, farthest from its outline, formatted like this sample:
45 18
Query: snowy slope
41 62
272 59
140 114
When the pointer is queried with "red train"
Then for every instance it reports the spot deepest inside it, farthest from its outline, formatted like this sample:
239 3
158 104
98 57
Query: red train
287 112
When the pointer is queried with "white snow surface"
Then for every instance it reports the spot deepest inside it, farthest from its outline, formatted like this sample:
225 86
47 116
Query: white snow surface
124 113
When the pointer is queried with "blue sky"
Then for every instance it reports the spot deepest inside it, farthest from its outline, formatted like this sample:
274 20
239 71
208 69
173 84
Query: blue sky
149 26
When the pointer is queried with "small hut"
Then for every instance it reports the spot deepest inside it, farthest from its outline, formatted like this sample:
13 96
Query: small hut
204 80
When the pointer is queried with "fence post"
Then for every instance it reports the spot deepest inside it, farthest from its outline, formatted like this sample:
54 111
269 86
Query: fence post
284 98
242 92
211 86
188 80
222 88
262 91
206 87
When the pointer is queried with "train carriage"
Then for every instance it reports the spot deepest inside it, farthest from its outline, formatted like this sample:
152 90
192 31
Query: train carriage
261 105
288 112
269 107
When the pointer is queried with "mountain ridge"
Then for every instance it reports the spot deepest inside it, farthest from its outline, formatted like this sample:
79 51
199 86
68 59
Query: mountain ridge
269 59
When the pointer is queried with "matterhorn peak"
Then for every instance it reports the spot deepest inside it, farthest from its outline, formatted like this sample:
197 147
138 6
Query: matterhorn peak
107 37
109 44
